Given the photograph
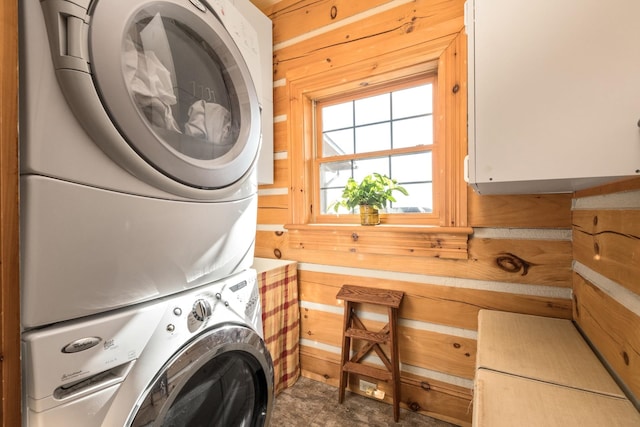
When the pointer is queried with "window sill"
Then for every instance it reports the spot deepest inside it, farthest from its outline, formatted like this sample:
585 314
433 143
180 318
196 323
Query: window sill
385 239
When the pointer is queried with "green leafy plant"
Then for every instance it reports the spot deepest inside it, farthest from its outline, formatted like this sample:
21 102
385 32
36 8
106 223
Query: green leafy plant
375 190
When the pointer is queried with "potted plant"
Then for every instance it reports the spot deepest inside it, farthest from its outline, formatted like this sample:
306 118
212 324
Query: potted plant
370 195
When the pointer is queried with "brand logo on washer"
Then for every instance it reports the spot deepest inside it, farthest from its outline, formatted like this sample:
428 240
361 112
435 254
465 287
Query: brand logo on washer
81 344
199 5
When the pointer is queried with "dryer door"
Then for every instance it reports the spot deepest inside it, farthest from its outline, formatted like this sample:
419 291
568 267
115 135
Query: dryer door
170 79
222 378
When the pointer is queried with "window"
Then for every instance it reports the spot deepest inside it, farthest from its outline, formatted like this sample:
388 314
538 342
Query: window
389 130
317 167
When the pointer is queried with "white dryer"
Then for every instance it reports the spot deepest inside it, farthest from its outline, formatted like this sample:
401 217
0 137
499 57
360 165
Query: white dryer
192 359
140 130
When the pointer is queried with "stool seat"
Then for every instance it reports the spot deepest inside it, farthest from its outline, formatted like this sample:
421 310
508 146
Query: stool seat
355 329
376 296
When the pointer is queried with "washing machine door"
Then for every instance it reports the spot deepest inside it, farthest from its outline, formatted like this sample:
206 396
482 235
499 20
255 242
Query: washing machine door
169 77
222 378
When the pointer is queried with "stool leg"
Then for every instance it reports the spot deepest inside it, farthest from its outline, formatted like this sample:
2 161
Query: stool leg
395 362
346 349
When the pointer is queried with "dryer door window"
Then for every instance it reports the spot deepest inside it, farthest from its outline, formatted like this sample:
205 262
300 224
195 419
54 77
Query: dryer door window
181 87
224 378
178 89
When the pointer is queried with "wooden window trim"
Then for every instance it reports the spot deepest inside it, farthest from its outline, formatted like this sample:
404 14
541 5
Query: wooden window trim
431 218
449 63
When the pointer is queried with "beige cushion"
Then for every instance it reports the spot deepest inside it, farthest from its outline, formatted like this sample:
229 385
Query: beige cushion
507 400
540 348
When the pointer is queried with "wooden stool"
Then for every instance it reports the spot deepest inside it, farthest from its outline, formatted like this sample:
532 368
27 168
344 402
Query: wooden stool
354 328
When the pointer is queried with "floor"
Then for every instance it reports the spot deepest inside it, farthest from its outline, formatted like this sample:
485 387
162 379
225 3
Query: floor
312 403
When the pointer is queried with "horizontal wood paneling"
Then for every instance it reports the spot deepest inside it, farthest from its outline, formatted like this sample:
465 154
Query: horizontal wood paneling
281 142
315 15
606 248
540 262
547 262
271 216
437 399
280 102
530 211
612 328
278 201
441 242
401 27
425 349
626 184
444 305
268 6
608 241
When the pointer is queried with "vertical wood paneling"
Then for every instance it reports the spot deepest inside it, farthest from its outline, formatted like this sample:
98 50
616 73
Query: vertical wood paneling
9 236
453 87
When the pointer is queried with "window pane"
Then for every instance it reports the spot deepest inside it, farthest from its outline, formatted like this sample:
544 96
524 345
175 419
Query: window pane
413 101
337 143
337 116
412 168
366 167
327 197
372 110
413 132
397 120
334 174
373 138
419 200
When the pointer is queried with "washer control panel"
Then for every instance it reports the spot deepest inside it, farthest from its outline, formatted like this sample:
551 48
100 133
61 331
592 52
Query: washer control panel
238 295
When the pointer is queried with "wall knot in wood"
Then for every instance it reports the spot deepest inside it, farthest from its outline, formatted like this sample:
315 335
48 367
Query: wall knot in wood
513 264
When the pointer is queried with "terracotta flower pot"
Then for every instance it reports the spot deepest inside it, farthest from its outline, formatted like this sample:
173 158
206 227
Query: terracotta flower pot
369 215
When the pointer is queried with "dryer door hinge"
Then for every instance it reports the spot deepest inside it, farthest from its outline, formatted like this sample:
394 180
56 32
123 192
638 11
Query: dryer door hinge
68 34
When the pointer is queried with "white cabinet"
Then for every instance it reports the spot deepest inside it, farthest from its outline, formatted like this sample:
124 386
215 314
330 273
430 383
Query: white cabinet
554 94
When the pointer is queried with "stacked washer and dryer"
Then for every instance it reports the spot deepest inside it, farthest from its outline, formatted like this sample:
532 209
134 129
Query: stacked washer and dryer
140 131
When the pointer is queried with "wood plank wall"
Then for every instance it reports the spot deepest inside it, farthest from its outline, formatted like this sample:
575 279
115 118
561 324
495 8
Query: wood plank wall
606 277
9 229
520 254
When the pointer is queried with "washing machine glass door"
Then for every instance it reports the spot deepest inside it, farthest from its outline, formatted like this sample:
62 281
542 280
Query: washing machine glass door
177 87
223 378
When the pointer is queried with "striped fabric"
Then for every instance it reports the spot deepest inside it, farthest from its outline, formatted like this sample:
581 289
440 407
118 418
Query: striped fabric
281 322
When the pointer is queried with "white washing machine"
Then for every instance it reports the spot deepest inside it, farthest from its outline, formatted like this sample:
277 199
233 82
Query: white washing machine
140 130
192 359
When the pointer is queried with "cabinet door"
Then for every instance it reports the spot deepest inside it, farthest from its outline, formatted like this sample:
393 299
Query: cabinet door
554 94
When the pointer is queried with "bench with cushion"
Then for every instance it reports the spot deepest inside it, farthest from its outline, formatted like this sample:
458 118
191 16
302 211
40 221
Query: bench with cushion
539 371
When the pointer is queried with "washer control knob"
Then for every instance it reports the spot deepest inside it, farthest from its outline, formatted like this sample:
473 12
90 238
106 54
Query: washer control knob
201 310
